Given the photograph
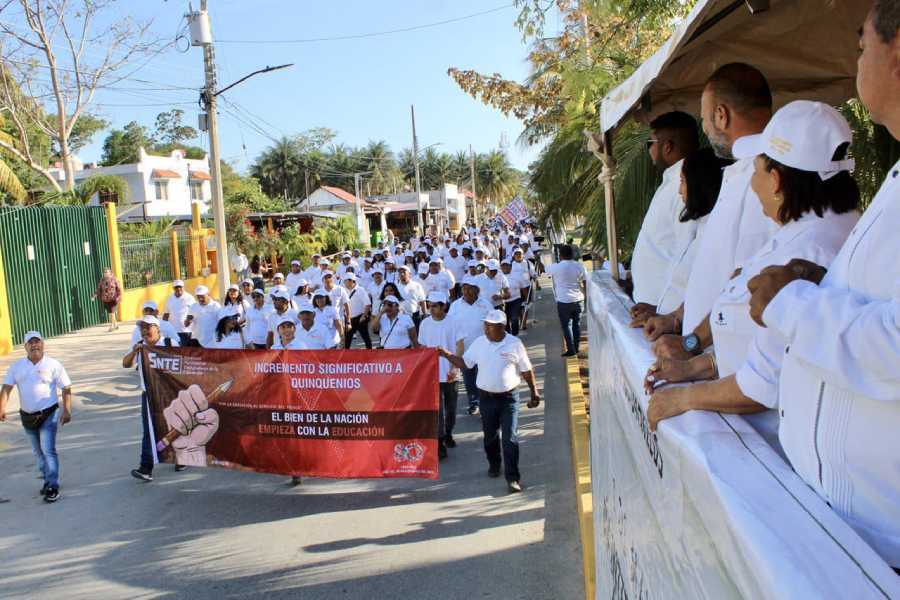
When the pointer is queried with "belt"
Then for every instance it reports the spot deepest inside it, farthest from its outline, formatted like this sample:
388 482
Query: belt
483 393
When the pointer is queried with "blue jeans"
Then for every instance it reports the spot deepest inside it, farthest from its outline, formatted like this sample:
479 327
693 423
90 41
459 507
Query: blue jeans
500 418
43 444
469 376
570 312
146 443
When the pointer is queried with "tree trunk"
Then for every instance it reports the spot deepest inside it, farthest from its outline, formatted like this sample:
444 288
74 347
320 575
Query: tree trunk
33 165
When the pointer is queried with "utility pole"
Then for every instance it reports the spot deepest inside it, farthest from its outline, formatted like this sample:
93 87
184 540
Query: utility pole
218 204
412 110
360 214
472 175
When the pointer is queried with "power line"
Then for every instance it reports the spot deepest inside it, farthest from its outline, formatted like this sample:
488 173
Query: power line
360 36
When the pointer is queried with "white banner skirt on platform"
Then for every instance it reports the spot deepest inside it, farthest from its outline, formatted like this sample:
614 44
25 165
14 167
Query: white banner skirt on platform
704 507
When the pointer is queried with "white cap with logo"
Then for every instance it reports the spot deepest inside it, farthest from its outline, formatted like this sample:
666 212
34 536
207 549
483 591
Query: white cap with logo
149 320
437 297
178 283
149 304
497 317
201 290
30 335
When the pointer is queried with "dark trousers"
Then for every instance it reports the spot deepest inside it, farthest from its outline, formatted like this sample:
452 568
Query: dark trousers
362 326
417 319
184 338
570 312
513 312
447 409
469 376
146 442
500 421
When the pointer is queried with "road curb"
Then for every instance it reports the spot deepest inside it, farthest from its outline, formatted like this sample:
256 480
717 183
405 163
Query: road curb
581 465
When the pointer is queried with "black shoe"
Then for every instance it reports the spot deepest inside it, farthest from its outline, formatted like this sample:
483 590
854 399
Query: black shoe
494 472
568 354
295 481
180 468
52 494
473 410
142 475
45 488
442 451
514 487
449 441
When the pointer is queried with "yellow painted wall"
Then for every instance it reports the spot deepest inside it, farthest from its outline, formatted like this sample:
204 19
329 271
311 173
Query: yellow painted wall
130 306
6 341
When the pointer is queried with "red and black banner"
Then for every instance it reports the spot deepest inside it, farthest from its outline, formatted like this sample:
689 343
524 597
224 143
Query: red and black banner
322 413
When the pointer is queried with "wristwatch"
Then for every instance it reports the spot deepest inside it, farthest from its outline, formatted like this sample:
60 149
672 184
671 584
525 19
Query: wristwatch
691 343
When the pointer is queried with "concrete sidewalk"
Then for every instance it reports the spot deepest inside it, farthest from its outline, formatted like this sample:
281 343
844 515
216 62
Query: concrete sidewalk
214 533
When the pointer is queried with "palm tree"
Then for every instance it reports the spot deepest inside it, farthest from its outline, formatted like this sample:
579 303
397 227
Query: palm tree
10 185
497 180
461 170
378 160
279 168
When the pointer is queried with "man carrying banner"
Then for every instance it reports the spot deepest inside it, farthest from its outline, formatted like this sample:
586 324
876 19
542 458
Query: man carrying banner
502 363
37 378
437 331
151 337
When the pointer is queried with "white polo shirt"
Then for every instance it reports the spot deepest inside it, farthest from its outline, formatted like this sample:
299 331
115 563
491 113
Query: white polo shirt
325 318
203 327
439 334
358 299
567 277
442 281
672 295
839 392
395 334
292 281
457 266
177 309
735 231
412 293
499 363
339 298
468 318
492 286
257 324
275 319
518 281
37 383
315 338
661 239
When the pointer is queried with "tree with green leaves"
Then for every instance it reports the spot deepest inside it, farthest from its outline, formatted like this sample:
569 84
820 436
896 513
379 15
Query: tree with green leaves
169 129
122 146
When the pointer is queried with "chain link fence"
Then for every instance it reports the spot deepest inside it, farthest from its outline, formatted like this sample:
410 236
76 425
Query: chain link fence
147 261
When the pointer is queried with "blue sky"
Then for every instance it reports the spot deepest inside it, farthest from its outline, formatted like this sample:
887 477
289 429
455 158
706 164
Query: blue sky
360 88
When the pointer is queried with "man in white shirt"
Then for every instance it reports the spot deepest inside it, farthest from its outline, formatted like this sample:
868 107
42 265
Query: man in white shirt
338 295
517 282
37 378
312 271
568 289
413 303
202 318
494 285
360 309
502 363
839 397
257 320
455 264
467 313
314 336
439 279
438 331
736 102
177 307
673 136
292 281
282 308
166 329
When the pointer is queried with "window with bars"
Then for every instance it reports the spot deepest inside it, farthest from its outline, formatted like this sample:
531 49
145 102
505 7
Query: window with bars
162 189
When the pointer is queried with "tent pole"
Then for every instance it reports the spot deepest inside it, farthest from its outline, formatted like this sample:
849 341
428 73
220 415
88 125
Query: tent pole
606 177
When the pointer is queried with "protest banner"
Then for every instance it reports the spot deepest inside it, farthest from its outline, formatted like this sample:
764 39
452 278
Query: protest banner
322 413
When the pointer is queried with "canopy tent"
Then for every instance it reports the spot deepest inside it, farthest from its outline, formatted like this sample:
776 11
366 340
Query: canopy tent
806 49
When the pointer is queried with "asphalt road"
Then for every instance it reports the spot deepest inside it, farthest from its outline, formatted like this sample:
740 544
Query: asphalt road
215 533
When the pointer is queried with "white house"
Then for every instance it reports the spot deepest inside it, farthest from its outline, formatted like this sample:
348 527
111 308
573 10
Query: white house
328 198
158 186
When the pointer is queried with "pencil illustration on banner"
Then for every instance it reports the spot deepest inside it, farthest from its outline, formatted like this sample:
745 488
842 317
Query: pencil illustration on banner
192 422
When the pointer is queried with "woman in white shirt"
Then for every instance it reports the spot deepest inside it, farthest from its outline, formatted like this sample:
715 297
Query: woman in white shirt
396 329
328 318
228 330
809 193
257 320
287 329
301 294
233 297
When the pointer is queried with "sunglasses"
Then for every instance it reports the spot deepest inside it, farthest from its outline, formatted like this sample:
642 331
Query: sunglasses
651 141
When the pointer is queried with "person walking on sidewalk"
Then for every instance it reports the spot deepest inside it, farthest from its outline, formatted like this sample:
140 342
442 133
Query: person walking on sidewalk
109 291
37 377
502 363
568 288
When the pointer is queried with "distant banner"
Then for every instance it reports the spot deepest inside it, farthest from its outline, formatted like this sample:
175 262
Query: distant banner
328 413
514 212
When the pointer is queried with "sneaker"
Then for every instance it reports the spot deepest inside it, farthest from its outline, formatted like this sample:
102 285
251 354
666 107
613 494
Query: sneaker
295 481
449 441
473 410
143 476
494 471
180 468
45 488
52 494
442 451
514 487
568 354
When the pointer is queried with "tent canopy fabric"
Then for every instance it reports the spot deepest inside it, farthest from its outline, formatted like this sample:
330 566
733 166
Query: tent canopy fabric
807 49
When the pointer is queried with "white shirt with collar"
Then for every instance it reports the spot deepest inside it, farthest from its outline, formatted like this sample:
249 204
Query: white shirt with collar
292 281
456 266
339 297
518 281
413 293
37 383
672 295
358 299
177 308
325 318
567 277
395 334
839 393
166 330
439 334
735 231
500 364
257 324
492 286
275 319
744 348
442 281
468 319
314 338
203 327
294 344
661 239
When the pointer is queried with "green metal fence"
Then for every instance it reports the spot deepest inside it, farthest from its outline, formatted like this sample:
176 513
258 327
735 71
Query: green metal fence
146 261
53 258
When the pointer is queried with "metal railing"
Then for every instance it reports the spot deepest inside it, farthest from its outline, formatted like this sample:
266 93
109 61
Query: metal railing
146 261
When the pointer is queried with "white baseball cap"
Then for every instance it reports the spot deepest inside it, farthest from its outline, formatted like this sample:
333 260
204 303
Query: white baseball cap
519 250
150 304
320 292
505 261
30 335
327 274
437 297
472 263
285 319
235 287
422 268
495 316
306 306
278 275
247 282
391 298
302 281
178 283
149 320
404 267
227 311
436 259
493 264
278 292
324 261
804 135
378 271
201 290
349 277
295 262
